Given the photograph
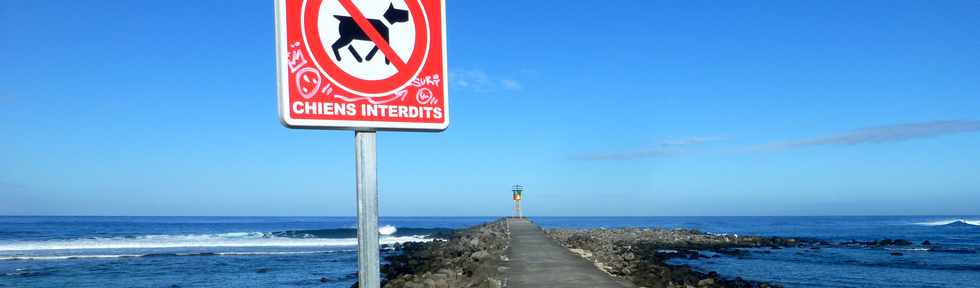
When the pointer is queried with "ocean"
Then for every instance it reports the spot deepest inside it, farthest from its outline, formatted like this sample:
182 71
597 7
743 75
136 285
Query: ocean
320 251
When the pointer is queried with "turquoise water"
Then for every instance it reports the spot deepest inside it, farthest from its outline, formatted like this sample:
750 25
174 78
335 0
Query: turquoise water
299 251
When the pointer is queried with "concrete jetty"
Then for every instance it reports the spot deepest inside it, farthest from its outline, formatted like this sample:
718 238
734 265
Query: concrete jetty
536 260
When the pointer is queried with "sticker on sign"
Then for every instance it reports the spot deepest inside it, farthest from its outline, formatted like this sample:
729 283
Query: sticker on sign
362 64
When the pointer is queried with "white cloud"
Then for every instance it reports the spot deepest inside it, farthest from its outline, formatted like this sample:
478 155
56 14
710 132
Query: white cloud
629 155
871 135
670 147
691 141
510 84
478 80
882 134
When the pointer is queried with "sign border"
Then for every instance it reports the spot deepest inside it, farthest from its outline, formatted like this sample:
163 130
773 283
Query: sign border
347 86
283 89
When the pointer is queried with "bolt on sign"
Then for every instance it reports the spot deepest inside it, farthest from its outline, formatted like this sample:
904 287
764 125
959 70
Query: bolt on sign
362 64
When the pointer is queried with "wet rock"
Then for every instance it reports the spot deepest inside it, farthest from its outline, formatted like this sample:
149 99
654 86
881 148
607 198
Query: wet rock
733 252
901 242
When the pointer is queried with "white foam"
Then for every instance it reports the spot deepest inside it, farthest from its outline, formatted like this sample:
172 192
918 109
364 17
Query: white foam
253 239
277 253
949 221
387 230
91 256
908 249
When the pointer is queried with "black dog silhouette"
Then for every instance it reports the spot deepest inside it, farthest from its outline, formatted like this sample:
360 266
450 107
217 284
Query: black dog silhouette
349 31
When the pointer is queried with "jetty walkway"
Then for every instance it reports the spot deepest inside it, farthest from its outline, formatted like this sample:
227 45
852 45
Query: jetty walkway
538 261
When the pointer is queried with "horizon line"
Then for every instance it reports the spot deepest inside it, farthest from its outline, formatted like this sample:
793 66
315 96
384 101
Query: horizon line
500 216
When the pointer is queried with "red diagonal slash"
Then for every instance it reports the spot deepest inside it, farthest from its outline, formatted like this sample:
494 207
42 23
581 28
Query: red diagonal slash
373 34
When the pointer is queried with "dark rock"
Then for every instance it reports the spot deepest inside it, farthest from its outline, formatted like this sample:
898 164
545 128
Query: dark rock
461 258
926 243
324 279
733 252
959 223
640 255
896 254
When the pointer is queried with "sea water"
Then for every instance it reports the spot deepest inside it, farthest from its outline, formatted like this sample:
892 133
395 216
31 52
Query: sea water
305 251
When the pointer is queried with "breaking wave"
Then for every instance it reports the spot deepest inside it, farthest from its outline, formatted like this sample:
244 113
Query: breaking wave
116 256
386 230
951 222
246 239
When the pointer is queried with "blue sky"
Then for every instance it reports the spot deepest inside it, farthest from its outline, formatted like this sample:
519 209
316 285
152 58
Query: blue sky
598 108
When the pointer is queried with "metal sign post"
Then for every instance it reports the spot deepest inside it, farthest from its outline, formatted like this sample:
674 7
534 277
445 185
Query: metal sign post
325 83
368 260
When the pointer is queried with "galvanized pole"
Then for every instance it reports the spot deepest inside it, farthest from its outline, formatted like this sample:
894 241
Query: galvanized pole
519 214
368 260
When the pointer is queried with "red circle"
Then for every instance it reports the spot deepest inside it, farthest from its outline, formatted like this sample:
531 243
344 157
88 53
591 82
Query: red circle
357 85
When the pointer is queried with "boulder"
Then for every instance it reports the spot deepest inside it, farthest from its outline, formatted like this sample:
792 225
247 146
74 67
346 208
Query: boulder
480 254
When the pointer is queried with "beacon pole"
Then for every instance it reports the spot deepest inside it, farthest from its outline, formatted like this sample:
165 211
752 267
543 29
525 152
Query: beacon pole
368 260
517 189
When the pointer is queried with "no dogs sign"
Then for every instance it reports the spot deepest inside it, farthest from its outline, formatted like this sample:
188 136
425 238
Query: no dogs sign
362 64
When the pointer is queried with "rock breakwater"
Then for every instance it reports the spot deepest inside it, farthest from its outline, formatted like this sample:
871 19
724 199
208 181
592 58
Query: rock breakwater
640 255
461 258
